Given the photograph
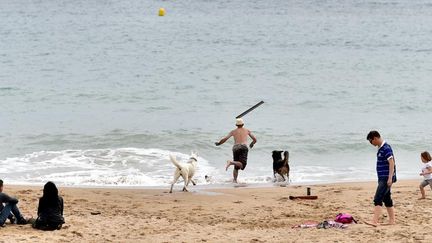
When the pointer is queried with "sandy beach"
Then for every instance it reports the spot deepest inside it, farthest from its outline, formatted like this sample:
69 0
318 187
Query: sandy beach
243 214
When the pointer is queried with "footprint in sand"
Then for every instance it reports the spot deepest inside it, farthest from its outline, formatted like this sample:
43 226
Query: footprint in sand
355 188
77 233
256 240
24 191
268 209
80 200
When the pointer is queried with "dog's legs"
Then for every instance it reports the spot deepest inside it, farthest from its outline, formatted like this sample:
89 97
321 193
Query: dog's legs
282 175
176 176
186 183
193 182
288 176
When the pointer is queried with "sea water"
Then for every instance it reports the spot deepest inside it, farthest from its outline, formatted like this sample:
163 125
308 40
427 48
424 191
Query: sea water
99 93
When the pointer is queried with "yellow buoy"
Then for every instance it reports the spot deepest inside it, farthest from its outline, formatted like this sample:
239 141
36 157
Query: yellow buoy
161 12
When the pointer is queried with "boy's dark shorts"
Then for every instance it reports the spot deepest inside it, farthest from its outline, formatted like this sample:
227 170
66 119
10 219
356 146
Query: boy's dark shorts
383 194
240 153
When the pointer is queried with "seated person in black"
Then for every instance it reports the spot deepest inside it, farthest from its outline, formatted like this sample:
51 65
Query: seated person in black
50 209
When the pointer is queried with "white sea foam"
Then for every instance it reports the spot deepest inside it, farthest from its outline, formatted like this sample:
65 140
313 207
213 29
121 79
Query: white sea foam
151 167
98 167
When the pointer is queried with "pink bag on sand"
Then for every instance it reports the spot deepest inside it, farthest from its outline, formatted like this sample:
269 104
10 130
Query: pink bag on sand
345 218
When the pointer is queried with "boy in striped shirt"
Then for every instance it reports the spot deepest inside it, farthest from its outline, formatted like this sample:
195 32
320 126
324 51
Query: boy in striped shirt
386 171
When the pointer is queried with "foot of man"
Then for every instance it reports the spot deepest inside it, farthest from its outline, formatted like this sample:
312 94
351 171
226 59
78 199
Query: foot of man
228 163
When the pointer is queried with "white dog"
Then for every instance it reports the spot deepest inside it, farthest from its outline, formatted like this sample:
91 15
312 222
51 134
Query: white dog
186 170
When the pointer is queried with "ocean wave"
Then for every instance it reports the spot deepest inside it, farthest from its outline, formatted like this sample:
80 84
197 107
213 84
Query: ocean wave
125 167
97 167
8 88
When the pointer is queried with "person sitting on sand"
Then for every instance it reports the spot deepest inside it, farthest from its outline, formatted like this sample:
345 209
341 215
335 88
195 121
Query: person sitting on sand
50 209
386 171
240 149
10 209
426 173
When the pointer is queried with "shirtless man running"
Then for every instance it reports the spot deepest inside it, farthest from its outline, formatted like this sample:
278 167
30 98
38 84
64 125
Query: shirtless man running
240 149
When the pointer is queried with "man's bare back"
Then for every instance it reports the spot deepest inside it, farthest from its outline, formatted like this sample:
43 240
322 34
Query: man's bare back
240 135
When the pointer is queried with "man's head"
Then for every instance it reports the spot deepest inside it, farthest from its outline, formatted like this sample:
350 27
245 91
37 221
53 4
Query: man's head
374 138
1 185
239 122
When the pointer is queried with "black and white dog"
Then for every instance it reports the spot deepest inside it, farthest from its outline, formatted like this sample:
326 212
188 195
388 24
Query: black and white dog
280 166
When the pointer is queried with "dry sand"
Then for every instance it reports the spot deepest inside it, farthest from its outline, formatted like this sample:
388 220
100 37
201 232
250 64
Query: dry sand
224 215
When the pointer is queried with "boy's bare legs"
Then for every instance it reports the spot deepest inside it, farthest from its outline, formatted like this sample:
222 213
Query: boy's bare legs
422 190
377 214
391 214
375 220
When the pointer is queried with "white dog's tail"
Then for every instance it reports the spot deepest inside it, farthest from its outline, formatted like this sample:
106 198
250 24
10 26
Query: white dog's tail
174 161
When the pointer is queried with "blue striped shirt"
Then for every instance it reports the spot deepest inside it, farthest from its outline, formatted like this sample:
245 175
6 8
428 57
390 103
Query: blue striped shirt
385 153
